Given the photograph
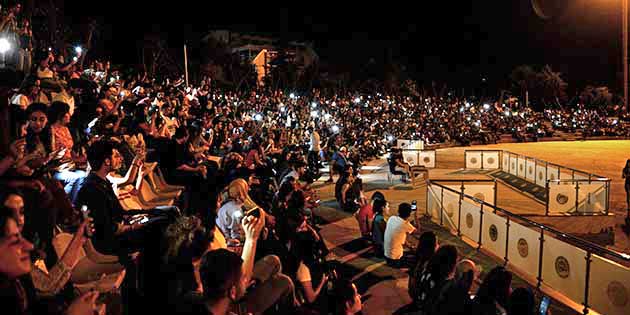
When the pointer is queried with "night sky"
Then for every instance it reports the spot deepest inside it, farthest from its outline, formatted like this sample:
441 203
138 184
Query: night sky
455 41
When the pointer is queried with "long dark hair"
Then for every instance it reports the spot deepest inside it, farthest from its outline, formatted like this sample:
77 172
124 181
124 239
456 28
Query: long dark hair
426 248
495 287
45 136
442 263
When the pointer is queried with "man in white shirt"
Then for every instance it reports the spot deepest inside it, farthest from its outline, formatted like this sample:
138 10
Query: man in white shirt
396 232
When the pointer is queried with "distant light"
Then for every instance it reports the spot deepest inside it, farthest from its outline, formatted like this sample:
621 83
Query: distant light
78 49
258 117
335 128
283 109
467 104
4 45
314 113
507 113
314 104
357 100
486 106
327 116
333 104
390 138
292 95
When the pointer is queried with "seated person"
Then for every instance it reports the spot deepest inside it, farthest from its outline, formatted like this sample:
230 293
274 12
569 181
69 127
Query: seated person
396 232
396 160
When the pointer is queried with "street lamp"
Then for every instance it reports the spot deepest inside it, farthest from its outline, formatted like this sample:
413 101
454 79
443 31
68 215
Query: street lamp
5 46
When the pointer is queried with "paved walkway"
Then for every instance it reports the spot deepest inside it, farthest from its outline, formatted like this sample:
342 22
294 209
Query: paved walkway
384 288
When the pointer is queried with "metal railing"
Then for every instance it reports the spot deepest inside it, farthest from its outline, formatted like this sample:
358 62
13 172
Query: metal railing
482 159
589 247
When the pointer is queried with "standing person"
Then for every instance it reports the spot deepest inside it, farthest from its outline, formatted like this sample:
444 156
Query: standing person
626 174
313 154
396 235
26 47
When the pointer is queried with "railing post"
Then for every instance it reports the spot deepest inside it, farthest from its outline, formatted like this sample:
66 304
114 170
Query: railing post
547 171
548 196
572 174
587 280
607 196
577 202
540 258
442 207
426 208
495 195
459 211
481 159
480 226
507 239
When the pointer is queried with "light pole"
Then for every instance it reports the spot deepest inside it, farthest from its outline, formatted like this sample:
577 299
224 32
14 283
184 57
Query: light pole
624 33
5 46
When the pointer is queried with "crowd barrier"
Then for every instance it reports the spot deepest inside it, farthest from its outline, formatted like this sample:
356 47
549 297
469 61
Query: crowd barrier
410 144
586 273
569 191
419 157
483 159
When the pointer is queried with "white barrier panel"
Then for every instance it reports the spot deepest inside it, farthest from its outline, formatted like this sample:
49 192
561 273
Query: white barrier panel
506 162
416 145
561 197
451 208
491 159
470 220
410 157
473 159
402 143
553 173
530 171
609 287
579 175
541 177
565 174
524 248
434 194
494 233
521 167
513 165
592 197
482 191
427 159
564 268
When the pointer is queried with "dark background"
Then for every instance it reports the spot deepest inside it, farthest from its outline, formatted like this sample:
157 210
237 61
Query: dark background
458 42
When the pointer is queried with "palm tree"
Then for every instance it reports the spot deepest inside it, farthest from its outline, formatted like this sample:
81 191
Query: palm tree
553 86
523 77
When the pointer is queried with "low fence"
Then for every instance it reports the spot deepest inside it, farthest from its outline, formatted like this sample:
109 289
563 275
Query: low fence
419 157
569 191
565 263
483 159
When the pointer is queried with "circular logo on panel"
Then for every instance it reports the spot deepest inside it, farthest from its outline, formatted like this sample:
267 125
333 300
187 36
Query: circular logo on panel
473 160
531 170
512 167
617 294
426 159
520 167
552 176
480 196
494 233
562 199
540 176
523 247
469 220
450 210
562 267
490 160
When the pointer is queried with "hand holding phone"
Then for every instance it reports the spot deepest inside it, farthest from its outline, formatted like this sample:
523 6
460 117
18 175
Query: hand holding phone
544 305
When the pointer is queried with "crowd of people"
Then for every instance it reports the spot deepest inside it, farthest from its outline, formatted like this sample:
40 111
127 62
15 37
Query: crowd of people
198 199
